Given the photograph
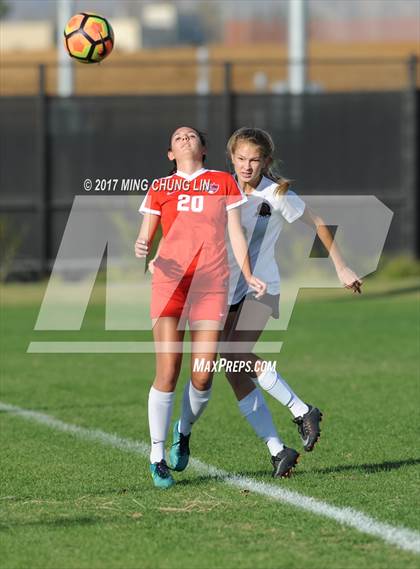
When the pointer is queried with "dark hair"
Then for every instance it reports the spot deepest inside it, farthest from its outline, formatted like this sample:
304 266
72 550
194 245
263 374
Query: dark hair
201 136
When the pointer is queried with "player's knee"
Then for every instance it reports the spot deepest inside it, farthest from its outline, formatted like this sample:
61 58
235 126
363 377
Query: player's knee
167 377
229 366
233 365
165 383
227 362
202 380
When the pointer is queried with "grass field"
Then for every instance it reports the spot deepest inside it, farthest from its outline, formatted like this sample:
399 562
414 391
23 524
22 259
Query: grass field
67 502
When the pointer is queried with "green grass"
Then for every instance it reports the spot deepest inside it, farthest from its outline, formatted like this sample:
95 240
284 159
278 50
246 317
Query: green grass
69 503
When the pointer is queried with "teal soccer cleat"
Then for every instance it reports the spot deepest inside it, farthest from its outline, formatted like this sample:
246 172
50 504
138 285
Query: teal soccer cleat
179 454
162 478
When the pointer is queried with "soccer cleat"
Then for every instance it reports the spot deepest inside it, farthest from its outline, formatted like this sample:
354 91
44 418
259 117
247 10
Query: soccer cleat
308 427
284 462
162 478
179 454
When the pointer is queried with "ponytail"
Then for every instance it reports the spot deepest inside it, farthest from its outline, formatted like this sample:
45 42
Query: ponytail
283 184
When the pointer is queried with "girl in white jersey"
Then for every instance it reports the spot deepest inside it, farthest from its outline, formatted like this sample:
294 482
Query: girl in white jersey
270 204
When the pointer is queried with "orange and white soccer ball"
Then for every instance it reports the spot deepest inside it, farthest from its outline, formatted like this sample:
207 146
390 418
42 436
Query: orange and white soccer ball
89 38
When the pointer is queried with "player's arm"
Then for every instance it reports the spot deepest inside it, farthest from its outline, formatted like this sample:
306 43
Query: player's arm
151 265
240 250
347 277
146 234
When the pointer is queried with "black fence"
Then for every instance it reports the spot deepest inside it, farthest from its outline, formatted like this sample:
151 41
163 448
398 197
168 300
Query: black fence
328 143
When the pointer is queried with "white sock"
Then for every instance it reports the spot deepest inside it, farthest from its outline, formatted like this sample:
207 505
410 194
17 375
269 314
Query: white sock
160 413
274 384
254 408
193 404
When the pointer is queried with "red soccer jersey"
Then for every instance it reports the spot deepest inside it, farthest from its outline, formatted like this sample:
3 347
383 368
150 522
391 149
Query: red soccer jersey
194 219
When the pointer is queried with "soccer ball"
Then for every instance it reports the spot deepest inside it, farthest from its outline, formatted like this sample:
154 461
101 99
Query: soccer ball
89 38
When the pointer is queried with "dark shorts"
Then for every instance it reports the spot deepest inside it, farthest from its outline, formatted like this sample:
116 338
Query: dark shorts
270 300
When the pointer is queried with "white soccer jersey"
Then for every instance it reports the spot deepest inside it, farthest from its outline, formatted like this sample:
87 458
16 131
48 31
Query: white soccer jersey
262 218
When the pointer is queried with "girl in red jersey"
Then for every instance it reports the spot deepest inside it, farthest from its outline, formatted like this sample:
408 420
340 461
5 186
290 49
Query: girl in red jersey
190 282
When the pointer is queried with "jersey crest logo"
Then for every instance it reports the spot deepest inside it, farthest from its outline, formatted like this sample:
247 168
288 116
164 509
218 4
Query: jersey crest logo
264 210
212 188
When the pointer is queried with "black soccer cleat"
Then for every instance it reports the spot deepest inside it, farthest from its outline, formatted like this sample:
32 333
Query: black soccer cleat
284 462
308 427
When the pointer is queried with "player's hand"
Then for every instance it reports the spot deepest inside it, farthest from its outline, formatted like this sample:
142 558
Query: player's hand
141 248
169 267
349 279
259 286
151 266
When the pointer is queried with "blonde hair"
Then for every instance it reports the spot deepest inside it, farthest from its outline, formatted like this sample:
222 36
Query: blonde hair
265 143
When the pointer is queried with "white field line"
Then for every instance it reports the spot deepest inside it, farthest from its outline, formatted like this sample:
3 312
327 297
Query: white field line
120 347
401 537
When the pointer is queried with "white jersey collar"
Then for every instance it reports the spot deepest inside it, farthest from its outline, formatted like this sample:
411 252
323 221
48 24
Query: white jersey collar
264 183
190 177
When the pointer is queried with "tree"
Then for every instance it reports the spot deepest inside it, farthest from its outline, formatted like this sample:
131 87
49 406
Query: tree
4 8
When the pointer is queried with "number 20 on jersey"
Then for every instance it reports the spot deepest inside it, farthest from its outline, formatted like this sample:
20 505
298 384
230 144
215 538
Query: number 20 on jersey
190 203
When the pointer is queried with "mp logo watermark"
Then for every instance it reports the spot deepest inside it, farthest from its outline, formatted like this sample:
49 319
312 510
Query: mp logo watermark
99 238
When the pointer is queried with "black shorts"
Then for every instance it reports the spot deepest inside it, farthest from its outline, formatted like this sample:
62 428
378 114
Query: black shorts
270 300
